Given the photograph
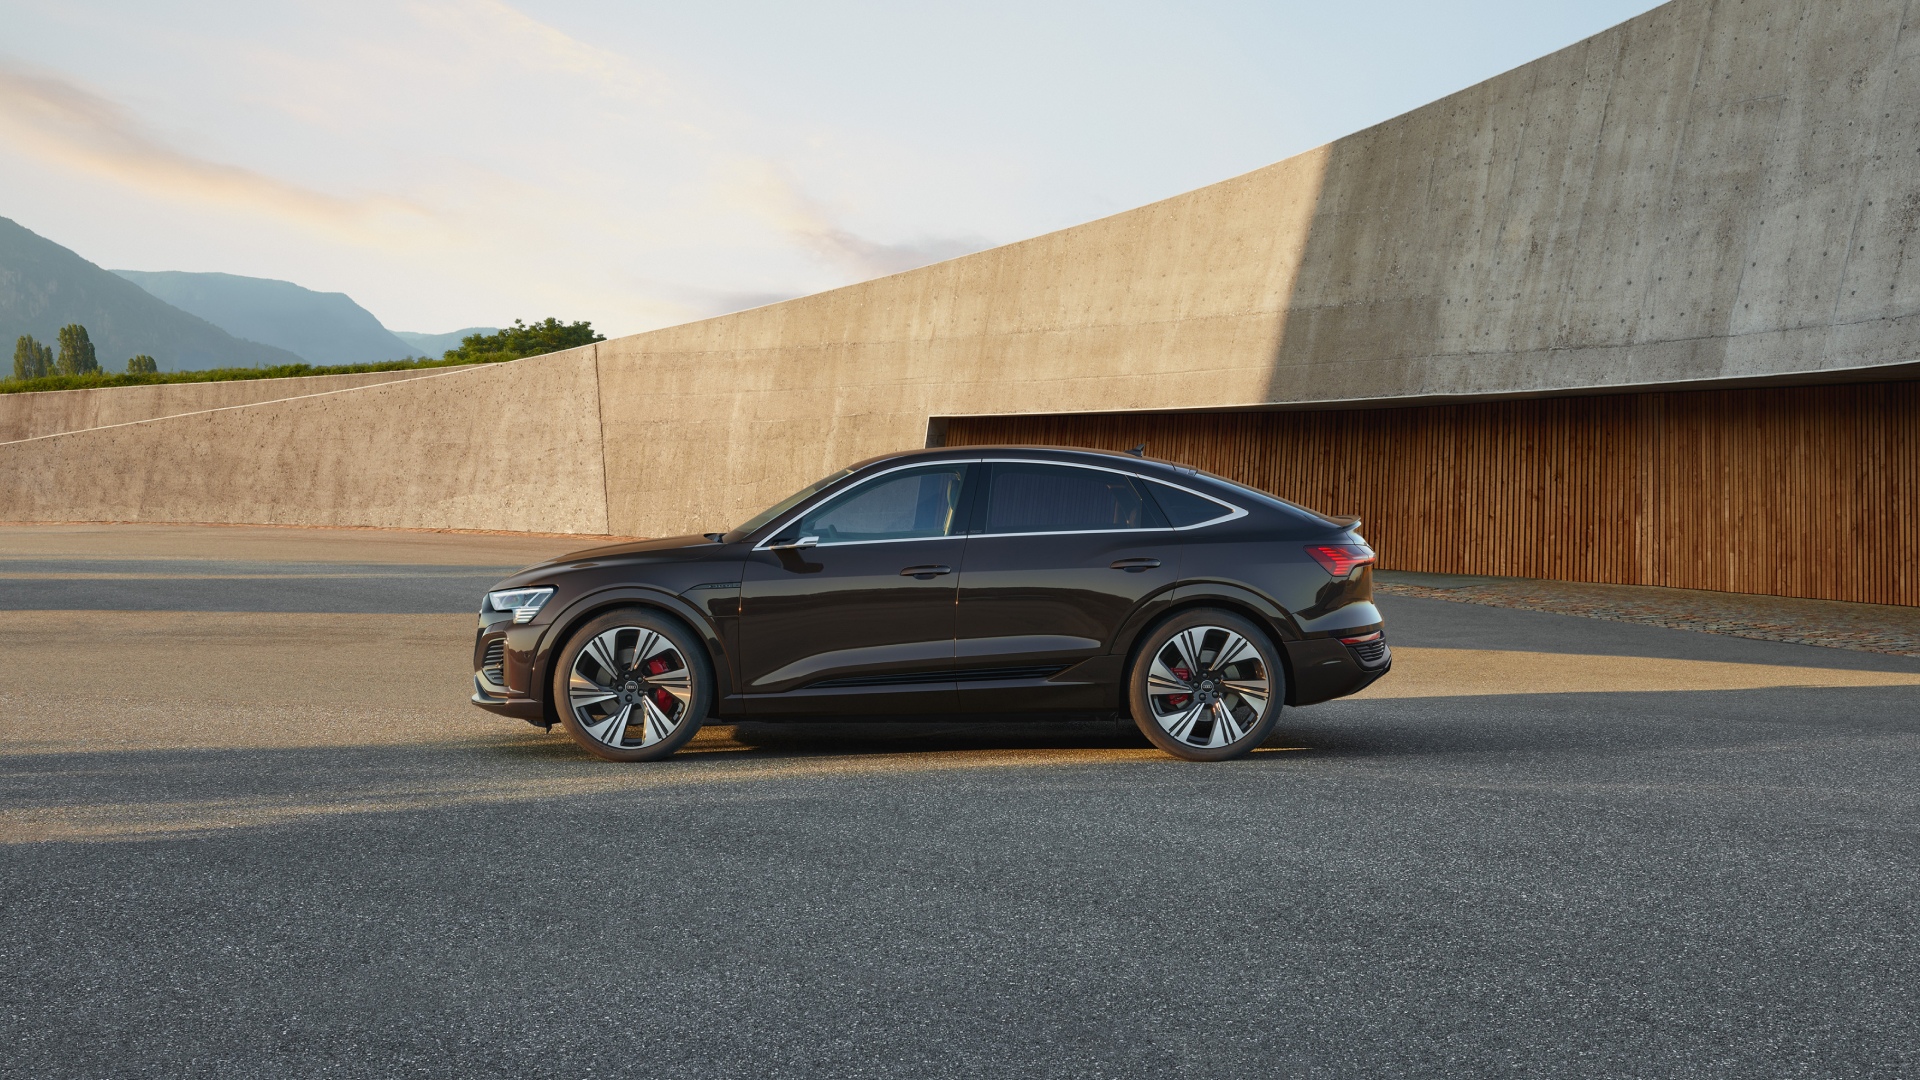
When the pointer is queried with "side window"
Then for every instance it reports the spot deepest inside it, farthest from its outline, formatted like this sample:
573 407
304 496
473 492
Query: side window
1058 498
907 505
1183 507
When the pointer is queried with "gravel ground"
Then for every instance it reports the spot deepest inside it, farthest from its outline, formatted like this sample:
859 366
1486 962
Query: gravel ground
1826 623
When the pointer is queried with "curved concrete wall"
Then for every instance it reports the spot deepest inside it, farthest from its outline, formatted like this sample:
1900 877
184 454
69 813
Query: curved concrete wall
29 416
1710 191
513 447
1714 190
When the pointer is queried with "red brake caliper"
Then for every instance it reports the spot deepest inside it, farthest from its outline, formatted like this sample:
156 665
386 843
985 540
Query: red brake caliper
660 697
1177 700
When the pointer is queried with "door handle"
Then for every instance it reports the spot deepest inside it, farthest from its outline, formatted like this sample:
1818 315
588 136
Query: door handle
925 573
1134 566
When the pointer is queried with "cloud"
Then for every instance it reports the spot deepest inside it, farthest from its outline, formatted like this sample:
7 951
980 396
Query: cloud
58 121
518 38
763 188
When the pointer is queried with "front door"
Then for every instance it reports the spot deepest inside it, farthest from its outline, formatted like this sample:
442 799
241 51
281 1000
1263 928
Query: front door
851 607
1060 556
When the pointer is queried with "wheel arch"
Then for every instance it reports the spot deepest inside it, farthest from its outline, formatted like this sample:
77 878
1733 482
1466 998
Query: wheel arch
593 605
1247 607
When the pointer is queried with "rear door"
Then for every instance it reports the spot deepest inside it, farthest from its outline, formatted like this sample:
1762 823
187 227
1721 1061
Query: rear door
1061 554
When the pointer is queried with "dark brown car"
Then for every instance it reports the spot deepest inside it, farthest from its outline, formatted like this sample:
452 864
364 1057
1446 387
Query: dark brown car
958 581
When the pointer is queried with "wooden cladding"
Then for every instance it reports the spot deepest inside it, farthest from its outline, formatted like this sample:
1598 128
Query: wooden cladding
1805 491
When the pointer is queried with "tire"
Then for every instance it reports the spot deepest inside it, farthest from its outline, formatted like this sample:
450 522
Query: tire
1190 704
632 685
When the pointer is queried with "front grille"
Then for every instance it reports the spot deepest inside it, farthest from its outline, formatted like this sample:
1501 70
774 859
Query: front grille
493 664
1370 653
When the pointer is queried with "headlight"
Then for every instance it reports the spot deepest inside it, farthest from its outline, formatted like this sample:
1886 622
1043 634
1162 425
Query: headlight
524 603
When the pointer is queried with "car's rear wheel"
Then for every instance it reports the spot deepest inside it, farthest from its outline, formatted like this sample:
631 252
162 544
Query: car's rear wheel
1207 685
632 685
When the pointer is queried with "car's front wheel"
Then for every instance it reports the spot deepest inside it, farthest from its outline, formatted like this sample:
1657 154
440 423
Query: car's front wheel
1206 685
632 685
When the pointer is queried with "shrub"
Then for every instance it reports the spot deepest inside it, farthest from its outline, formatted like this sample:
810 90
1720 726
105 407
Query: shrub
521 340
513 343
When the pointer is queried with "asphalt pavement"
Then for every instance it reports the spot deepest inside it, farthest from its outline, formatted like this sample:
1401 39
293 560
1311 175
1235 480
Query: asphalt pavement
250 827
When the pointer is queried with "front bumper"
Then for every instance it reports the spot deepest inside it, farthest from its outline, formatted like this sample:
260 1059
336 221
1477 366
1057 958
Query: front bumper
503 676
519 708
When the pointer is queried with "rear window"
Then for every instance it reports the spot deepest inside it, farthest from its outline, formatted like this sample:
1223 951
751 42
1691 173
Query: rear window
1029 498
1239 490
1183 507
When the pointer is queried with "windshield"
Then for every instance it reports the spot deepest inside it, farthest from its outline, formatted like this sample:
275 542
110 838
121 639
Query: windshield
786 504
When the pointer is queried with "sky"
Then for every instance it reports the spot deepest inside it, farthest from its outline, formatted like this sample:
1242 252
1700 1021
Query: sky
452 163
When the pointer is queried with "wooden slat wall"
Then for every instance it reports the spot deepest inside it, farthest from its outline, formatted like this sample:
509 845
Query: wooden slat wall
1808 491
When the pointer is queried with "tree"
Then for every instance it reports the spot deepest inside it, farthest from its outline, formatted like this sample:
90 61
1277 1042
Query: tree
521 340
76 351
31 360
143 365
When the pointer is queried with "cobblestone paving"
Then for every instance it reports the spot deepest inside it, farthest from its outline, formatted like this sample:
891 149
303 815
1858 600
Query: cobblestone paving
1866 627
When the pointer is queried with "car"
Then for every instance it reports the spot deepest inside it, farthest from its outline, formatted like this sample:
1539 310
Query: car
961 581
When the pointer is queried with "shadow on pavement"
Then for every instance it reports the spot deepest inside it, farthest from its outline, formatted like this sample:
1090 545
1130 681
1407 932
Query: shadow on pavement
152 793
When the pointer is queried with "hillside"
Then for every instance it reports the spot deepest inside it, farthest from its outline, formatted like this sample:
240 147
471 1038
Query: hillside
438 344
321 328
44 286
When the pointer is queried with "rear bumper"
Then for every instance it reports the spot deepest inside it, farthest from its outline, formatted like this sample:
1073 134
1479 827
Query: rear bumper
1324 669
519 708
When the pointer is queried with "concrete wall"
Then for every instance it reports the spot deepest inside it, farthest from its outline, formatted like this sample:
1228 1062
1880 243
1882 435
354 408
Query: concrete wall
1717 189
512 447
1712 190
29 416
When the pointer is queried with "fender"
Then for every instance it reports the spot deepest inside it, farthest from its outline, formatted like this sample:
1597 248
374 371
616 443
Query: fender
585 606
1185 594
1148 611
1277 617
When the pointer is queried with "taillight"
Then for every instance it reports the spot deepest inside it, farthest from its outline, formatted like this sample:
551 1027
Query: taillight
1340 559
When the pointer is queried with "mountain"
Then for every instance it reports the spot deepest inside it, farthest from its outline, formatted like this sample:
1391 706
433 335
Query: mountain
44 286
435 345
322 328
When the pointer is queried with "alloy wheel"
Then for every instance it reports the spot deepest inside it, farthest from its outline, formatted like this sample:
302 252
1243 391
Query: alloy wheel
630 687
1208 686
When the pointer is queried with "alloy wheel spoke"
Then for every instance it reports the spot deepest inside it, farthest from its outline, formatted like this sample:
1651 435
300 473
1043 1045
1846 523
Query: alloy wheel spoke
583 691
613 729
1183 723
1253 690
1225 728
1233 651
657 725
649 646
1162 679
1159 685
1188 646
604 649
580 699
678 683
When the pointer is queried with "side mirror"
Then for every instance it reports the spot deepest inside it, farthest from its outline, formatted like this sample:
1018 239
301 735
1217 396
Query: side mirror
795 545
